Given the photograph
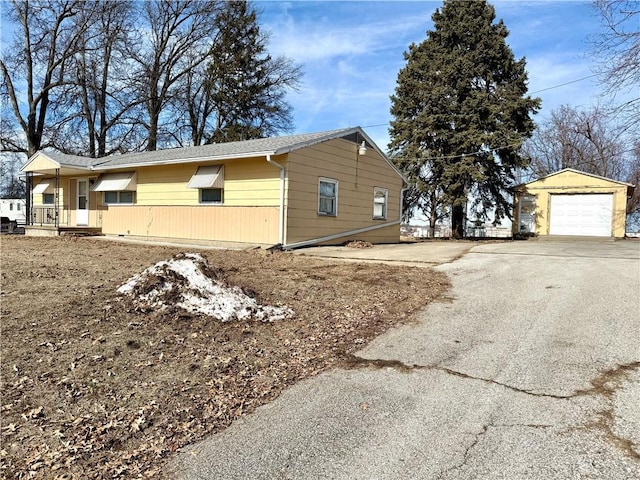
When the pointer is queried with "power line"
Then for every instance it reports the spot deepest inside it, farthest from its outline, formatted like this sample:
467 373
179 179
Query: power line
564 84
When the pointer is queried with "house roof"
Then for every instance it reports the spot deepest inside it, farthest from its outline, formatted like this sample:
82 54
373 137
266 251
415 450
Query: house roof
222 151
216 151
572 170
64 160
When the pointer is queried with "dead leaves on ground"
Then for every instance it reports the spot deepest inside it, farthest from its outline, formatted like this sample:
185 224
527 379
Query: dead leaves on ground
92 389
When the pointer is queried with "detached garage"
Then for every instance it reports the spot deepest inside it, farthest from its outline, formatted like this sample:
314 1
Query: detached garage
570 202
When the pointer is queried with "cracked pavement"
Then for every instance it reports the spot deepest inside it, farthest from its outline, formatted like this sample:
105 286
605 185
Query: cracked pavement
531 371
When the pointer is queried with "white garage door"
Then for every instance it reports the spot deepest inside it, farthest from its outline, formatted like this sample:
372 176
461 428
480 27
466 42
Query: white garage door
587 215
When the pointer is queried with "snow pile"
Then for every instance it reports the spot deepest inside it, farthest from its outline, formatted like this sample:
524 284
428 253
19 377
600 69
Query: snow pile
187 281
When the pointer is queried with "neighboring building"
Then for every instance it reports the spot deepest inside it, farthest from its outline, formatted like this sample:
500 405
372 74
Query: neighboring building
297 190
14 209
570 202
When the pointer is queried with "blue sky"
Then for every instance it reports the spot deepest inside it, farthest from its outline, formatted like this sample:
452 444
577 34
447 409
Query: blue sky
351 53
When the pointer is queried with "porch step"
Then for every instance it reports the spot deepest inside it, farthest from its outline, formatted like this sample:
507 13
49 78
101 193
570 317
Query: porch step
80 231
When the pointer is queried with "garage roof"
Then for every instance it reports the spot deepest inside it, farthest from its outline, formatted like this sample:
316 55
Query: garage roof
581 173
630 186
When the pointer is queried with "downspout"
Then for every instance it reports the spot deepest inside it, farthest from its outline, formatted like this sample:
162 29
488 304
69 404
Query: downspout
281 213
402 202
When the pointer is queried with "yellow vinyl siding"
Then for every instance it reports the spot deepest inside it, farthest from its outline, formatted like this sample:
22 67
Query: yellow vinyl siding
357 176
573 183
201 222
250 182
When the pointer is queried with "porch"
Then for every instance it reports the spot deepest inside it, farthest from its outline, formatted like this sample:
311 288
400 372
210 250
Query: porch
47 221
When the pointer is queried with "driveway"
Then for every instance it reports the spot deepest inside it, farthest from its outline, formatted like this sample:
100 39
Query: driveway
530 370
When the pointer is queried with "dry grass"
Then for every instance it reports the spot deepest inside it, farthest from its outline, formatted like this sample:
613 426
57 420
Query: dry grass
92 389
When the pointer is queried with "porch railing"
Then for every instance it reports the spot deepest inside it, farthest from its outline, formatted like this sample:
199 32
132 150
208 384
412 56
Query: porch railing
47 216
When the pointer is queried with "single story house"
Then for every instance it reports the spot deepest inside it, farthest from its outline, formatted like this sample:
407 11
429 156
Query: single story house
570 202
297 190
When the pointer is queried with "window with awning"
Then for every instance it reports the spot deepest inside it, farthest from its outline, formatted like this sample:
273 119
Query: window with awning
116 182
211 176
45 186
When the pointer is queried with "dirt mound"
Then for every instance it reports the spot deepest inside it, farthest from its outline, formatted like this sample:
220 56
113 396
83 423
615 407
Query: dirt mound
187 281
358 244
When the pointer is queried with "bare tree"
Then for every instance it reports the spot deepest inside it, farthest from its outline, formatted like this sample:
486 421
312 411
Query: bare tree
11 186
176 38
617 49
100 112
586 140
633 177
48 36
94 77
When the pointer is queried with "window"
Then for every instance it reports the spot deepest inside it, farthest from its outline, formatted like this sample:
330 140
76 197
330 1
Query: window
116 182
210 195
380 196
209 181
117 188
47 198
327 197
11 206
121 197
18 207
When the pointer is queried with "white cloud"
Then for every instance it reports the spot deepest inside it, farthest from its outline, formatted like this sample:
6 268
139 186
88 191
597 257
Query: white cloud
352 52
336 33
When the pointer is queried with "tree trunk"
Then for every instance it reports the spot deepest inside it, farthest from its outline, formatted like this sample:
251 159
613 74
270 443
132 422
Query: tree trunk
457 221
152 142
433 218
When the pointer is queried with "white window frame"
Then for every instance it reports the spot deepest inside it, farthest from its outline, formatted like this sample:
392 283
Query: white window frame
118 202
335 198
53 199
385 204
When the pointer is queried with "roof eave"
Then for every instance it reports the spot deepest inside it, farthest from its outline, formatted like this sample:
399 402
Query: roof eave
204 158
573 170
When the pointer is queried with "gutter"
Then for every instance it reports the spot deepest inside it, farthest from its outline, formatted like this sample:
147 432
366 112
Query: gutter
402 201
315 241
281 212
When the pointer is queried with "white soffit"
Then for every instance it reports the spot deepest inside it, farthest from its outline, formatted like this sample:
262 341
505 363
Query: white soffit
208 177
116 182
45 186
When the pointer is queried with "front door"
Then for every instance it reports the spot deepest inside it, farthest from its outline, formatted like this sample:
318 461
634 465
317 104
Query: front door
82 212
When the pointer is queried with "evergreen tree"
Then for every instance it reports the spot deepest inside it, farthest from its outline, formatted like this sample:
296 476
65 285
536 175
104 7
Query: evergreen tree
461 113
245 85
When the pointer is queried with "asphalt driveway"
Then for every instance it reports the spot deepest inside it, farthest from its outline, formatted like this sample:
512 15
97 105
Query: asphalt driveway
530 370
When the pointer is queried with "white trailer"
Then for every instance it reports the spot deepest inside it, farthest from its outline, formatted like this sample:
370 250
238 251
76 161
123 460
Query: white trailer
13 209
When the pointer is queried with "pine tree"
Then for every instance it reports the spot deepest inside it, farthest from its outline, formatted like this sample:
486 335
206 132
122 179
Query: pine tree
245 85
461 114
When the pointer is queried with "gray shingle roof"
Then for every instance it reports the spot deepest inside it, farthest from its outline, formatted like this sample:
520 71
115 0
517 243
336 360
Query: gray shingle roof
218 151
243 149
71 160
